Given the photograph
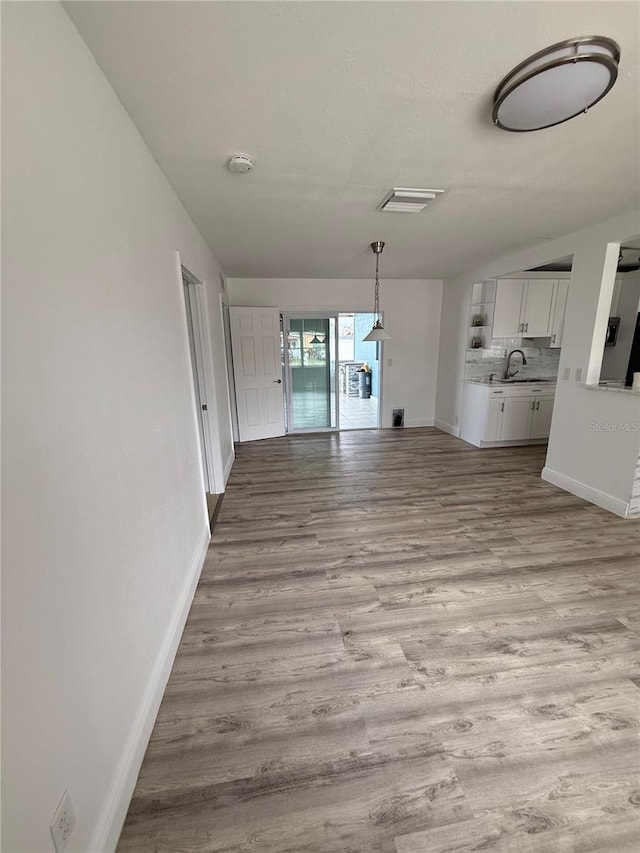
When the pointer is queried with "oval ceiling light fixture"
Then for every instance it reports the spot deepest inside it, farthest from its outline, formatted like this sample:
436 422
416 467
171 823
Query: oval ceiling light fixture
377 333
556 84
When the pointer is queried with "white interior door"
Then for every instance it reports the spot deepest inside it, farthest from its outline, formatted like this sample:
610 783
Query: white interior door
257 371
192 295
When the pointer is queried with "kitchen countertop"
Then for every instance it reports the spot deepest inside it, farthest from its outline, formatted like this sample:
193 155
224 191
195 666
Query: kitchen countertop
511 382
617 388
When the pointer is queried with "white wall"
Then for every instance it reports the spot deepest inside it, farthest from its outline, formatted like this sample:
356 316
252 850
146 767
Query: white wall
411 315
104 520
600 461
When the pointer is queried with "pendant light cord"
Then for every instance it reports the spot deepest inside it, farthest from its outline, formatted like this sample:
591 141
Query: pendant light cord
376 296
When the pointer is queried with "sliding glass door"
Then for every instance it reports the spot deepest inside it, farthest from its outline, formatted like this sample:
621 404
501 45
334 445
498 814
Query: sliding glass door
310 351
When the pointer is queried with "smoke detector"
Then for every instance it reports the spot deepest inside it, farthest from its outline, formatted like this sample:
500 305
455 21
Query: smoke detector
406 200
240 164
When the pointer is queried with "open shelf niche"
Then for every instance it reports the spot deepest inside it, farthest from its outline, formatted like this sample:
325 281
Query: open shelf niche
483 296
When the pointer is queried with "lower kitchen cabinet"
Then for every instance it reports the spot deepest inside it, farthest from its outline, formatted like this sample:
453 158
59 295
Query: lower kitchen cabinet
541 418
516 419
492 415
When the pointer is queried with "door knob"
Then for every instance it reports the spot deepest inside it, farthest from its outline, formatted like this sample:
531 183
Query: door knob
277 381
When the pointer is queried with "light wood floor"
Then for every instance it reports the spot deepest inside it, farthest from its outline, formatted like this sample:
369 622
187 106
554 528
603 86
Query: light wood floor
401 644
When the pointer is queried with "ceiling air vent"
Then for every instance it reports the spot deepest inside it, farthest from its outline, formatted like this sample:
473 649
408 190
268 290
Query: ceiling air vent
406 200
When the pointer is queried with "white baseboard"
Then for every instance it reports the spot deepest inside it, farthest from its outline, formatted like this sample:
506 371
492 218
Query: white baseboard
418 422
445 427
116 806
588 493
228 465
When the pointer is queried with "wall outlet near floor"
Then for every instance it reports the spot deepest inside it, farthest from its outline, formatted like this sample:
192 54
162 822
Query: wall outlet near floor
455 420
63 823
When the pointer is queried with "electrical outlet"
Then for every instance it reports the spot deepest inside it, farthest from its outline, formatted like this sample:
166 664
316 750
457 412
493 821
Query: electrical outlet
566 373
455 420
389 362
577 374
64 820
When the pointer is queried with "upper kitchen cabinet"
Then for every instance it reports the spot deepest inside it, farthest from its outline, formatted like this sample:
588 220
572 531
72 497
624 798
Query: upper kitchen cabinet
525 308
557 317
538 301
508 306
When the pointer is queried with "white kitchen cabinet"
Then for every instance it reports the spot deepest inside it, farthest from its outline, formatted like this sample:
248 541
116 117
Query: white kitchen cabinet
559 308
524 307
508 307
494 419
541 417
535 317
516 419
495 415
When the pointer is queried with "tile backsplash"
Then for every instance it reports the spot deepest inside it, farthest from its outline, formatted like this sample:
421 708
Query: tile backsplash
542 362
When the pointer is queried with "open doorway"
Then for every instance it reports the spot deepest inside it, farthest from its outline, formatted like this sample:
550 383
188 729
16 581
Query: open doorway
359 373
332 376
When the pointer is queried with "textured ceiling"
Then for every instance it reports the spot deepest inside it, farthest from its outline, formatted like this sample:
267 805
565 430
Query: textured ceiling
339 101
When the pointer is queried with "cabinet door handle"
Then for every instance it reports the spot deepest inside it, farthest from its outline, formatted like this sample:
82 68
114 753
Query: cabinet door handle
533 405
553 339
538 406
502 408
526 327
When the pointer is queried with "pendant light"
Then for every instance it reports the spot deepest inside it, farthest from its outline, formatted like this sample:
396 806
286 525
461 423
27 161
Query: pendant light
556 84
377 333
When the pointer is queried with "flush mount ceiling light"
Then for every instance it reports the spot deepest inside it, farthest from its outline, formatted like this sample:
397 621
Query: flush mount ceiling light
407 200
377 333
556 84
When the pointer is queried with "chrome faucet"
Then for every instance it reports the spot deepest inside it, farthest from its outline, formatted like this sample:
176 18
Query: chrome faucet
508 375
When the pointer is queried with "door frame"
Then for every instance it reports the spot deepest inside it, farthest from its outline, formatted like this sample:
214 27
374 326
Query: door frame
285 317
312 313
203 394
